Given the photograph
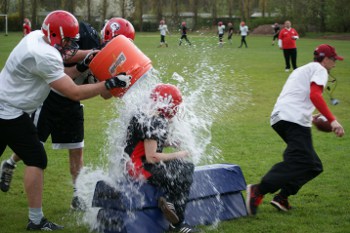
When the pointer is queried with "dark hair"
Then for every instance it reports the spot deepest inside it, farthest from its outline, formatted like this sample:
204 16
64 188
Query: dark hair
317 57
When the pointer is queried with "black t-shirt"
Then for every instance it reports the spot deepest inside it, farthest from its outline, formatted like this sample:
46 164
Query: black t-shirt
143 127
276 28
184 30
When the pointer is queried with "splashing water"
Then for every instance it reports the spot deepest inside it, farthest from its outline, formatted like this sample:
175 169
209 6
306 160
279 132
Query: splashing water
205 97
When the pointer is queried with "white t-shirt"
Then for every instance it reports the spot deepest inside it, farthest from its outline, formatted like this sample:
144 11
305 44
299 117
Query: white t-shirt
244 30
294 104
221 29
163 29
31 66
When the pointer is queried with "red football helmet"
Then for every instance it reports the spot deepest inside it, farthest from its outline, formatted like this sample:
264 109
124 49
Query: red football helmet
219 23
61 29
183 23
117 26
169 97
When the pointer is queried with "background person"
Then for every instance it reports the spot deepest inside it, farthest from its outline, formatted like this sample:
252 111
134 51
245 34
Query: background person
230 32
243 28
184 33
221 31
287 41
163 28
291 118
27 26
276 30
34 66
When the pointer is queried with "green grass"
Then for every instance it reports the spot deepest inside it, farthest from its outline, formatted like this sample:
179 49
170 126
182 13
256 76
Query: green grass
242 132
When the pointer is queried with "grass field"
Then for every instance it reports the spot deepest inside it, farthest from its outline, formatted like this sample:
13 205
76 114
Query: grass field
241 131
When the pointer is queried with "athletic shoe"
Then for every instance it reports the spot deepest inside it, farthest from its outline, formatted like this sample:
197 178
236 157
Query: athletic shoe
287 70
280 203
77 204
183 228
6 171
44 225
254 199
168 210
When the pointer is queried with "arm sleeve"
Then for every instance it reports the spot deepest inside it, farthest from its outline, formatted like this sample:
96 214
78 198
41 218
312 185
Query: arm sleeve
319 102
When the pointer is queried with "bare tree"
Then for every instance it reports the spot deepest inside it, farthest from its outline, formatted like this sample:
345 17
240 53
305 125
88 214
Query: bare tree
21 10
88 6
104 10
230 4
214 12
69 5
263 6
122 7
34 13
194 7
175 10
138 13
159 8
5 6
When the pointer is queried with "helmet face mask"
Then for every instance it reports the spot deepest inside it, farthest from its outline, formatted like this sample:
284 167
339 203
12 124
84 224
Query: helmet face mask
167 99
61 29
68 48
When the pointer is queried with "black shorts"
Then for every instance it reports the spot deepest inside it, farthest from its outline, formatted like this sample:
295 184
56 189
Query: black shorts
21 136
220 37
63 119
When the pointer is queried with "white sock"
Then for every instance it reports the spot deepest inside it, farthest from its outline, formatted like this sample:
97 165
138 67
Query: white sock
11 161
35 215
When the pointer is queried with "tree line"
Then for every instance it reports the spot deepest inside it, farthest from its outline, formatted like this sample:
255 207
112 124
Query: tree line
310 15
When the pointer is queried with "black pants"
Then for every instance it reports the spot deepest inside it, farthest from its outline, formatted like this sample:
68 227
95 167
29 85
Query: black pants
162 39
175 178
243 41
184 37
290 55
300 162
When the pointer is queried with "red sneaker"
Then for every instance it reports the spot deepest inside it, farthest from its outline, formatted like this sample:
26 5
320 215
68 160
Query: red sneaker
254 199
280 203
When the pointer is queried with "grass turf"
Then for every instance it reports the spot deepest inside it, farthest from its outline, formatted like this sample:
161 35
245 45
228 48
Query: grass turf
241 132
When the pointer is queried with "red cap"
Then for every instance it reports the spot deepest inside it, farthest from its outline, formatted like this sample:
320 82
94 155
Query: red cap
325 50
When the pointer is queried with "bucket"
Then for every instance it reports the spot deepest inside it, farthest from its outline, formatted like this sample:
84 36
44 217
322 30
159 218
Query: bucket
120 55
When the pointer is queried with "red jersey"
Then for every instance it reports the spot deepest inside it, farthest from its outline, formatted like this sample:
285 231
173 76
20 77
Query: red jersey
142 127
287 38
26 29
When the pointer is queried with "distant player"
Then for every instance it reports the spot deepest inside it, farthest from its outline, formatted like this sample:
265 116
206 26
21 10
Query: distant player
221 31
230 32
27 27
163 28
184 33
243 28
276 29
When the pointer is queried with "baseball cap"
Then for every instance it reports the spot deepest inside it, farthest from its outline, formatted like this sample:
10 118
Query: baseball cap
325 50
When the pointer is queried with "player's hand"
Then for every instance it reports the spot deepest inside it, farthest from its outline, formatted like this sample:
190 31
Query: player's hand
88 58
337 128
120 80
182 154
84 64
